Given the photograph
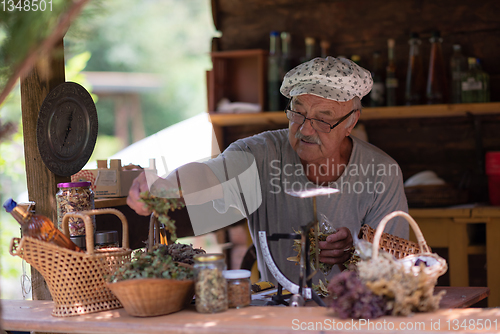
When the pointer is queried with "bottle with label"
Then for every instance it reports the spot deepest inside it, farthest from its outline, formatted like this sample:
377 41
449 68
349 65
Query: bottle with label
437 85
475 85
273 73
377 94
485 80
391 82
458 69
38 226
415 82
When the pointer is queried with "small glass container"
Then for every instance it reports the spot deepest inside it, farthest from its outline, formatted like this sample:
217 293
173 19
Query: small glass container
106 239
210 284
238 288
74 197
80 241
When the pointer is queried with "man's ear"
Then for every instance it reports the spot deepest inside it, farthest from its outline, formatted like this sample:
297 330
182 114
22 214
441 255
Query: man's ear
356 115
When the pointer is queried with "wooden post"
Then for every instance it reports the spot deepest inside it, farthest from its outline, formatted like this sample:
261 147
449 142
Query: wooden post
42 183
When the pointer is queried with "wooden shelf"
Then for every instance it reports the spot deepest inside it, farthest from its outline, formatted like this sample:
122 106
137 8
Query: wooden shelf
435 110
100 203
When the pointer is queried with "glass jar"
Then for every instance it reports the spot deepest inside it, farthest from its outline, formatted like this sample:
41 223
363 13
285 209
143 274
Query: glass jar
80 241
210 284
106 239
238 287
74 197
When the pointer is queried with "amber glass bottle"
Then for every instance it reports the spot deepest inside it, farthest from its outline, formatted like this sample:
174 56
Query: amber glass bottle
415 81
38 226
437 84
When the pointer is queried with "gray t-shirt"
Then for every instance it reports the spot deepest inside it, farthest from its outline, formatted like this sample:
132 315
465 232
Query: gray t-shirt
371 187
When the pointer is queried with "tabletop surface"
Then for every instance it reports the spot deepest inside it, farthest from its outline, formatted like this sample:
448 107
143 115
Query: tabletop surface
36 316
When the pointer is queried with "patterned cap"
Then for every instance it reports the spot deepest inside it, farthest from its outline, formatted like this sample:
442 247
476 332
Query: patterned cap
337 79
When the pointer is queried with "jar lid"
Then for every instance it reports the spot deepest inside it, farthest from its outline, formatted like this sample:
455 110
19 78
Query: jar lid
74 184
79 240
236 273
208 257
106 237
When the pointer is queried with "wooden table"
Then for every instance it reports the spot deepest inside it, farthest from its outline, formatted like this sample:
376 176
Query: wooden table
447 228
36 316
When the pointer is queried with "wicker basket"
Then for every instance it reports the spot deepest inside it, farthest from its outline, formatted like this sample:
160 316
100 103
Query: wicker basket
153 296
436 265
399 247
76 280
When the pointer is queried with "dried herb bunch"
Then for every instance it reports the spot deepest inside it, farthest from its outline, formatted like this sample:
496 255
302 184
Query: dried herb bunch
152 264
351 298
180 252
161 204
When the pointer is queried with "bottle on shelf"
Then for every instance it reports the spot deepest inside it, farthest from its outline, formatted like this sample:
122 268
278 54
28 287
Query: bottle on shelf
285 63
485 80
310 49
391 82
356 59
273 73
458 69
325 48
415 81
377 94
437 86
38 226
475 85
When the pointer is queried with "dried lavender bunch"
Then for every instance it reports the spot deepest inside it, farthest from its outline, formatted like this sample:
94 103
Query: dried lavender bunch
350 298
161 204
152 264
180 252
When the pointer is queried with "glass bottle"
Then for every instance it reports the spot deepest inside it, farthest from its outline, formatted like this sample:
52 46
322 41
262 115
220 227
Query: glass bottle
273 73
356 59
458 69
437 86
310 49
285 63
38 226
415 82
484 77
238 287
377 94
210 284
471 84
74 197
325 48
391 82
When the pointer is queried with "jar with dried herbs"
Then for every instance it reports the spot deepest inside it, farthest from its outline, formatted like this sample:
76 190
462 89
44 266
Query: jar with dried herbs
238 287
74 197
210 284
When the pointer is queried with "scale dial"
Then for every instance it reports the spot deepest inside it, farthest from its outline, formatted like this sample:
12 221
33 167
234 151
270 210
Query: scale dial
67 129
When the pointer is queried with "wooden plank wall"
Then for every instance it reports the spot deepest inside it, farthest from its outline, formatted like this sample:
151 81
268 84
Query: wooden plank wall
453 147
363 26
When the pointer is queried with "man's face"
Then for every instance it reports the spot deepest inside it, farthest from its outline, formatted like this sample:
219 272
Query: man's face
313 146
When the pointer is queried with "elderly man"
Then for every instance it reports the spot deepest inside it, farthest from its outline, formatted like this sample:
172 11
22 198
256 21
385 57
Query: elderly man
317 150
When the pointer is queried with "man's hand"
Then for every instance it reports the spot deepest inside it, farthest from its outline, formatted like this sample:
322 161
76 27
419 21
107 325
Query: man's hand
337 247
139 185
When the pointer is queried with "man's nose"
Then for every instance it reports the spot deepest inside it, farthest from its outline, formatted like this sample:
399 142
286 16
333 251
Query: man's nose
306 128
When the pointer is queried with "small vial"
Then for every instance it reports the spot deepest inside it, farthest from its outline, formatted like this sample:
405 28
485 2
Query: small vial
238 287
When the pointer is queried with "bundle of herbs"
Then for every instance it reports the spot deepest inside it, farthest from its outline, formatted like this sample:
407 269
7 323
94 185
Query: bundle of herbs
152 264
161 204
180 252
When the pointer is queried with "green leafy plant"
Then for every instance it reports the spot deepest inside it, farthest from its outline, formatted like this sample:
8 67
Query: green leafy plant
161 205
152 264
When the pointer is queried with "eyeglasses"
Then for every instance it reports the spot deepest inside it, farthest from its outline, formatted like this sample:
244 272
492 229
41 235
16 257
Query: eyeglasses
316 124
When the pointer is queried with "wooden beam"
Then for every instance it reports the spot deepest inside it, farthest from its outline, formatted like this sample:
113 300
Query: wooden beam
42 183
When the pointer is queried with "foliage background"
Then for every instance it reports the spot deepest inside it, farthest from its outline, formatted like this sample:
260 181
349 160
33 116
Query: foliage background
170 38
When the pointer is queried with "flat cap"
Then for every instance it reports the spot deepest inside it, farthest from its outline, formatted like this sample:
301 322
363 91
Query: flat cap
337 79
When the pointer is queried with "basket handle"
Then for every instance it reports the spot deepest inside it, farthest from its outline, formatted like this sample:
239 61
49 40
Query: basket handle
380 229
89 227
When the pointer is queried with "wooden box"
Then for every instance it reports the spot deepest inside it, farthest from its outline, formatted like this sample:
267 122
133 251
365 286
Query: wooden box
240 76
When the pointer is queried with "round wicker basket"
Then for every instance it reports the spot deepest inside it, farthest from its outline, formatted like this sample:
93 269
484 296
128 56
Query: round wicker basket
153 296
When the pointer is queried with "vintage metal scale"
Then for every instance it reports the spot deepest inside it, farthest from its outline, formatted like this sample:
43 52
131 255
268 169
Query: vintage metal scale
303 290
